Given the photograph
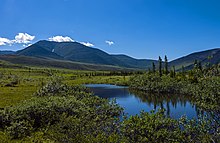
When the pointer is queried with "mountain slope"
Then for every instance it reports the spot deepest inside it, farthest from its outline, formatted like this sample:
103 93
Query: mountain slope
6 52
73 51
67 52
77 52
212 56
36 50
136 63
54 63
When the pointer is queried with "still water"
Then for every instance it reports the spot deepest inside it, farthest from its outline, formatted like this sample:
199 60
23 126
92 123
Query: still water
133 102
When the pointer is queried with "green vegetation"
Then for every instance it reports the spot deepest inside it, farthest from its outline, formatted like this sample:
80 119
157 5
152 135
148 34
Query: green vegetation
201 85
62 113
18 83
50 105
70 115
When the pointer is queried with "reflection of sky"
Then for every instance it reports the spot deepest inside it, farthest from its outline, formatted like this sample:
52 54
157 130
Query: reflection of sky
133 104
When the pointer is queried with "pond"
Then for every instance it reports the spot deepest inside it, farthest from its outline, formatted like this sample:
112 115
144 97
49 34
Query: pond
133 102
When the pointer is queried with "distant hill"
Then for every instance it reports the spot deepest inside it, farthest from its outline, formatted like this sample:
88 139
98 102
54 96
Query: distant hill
73 54
53 63
209 56
135 63
73 51
6 52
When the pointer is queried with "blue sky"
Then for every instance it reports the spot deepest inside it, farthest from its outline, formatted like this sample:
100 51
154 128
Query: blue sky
139 28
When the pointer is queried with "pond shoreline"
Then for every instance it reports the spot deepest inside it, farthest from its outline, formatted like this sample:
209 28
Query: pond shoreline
136 102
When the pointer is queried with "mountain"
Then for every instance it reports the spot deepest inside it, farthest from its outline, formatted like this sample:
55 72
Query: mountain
37 50
209 56
135 63
68 52
6 52
74 51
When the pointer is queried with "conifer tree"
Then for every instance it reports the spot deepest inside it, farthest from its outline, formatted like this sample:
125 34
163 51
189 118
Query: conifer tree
174 71
166 65
153 67
200 66
160 66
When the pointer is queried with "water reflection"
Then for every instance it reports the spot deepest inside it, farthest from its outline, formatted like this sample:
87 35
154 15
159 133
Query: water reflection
135 101
111 92
165 101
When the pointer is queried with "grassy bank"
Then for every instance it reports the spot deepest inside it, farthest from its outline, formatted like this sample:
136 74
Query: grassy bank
18 84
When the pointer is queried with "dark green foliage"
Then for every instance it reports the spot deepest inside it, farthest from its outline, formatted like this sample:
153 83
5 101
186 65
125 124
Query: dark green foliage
151 128
19 129
204 90
156 128
62 113
160 66
56 88
57 106
153 68
166 65
200 66
154 83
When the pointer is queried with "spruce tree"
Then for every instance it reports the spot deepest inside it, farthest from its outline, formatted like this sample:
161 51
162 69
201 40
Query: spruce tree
166 65
153 67
200 66
174 71
160 66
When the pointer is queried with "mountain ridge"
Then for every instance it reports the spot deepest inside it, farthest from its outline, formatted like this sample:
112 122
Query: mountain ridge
74 51
211 56
77 52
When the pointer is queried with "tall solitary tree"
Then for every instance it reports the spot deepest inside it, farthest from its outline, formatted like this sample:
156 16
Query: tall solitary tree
174 71
166 65
160 66
153 67
200 66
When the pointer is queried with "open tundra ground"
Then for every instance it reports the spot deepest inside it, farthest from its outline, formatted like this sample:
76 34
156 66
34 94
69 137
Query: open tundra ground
18 84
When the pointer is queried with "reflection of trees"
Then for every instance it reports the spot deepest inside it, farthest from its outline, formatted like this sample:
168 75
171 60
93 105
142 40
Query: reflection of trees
158 100
168 109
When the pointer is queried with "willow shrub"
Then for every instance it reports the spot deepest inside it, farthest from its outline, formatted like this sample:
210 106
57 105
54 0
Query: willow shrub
49 108
71 114
156 128
205 92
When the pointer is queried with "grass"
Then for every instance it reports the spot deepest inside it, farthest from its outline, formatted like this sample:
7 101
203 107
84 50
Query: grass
13 95
29 80
69 114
